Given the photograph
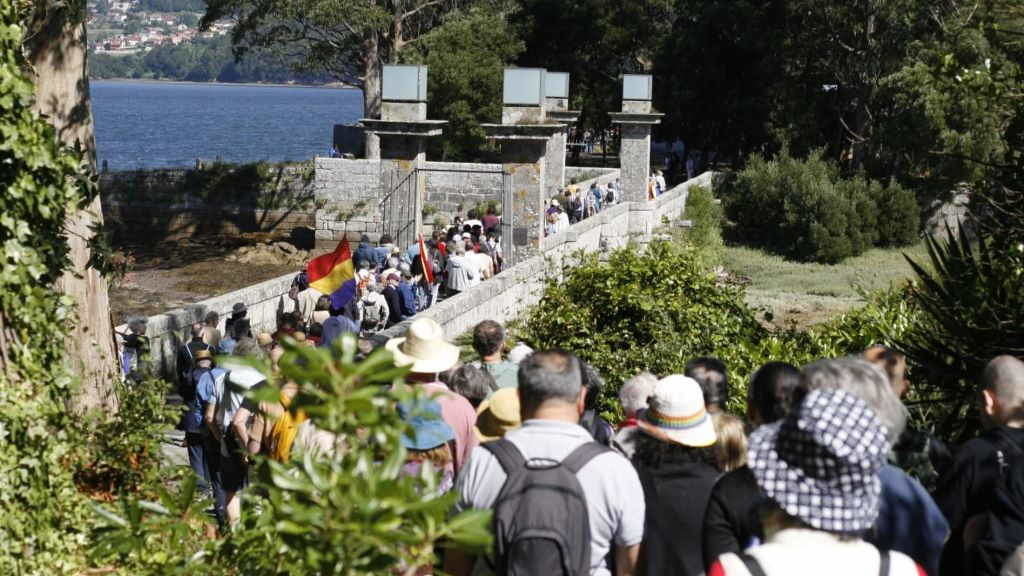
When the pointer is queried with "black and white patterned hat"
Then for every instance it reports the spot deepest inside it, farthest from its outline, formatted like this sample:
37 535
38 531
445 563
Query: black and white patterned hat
820 463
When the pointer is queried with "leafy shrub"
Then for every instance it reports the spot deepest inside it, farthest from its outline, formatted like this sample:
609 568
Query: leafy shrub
121 452
658 309
651 310
803 210
899 216
349 511
706 217
972 310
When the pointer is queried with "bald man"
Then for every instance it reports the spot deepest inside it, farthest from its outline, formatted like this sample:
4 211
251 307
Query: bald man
965 490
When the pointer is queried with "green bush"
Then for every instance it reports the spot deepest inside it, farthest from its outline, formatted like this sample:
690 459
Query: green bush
706 215
350 511
803 210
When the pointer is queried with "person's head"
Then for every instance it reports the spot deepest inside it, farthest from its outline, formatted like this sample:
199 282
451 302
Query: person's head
316 330
498 414
301 281
203 359
364 239
1002 392
472 383
490 210
212 319
675 429
265 341
488 339
196 331
364 264
323 302
393 262
634 393
240 329
287 324
248 347
137 325
771 392
460 248
711 374
550 386
893 364
424 350
393 279
863 380
238 310
519 352
592 382
429 435
406 272
819 464
731 447
385 239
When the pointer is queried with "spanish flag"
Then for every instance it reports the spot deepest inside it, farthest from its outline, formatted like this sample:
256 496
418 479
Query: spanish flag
334 274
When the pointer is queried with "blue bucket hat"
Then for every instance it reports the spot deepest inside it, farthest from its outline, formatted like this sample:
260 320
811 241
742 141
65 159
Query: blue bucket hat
428 429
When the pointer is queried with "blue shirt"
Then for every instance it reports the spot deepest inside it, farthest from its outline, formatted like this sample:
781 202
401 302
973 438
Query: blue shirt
908 520
367 253
227 346
408 297
204 392
334 327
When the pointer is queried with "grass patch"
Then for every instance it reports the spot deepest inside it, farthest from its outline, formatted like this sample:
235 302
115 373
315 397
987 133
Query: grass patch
807 293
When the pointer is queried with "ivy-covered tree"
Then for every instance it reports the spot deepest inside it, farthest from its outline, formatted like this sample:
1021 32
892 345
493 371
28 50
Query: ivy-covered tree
54 46
44 185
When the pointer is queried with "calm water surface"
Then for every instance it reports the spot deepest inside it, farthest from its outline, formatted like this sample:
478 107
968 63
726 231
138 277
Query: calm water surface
152 124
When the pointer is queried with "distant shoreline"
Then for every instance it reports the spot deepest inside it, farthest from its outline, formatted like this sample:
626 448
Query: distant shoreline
329 86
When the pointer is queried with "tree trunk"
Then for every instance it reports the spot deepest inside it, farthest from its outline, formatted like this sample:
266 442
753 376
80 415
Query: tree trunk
371 89
57 53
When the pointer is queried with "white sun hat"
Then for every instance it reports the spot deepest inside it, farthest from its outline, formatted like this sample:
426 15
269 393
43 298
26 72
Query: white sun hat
424 348
676 413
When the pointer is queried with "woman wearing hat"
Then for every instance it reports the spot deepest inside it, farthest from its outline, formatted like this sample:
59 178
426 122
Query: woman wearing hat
430 442
676 465
819 468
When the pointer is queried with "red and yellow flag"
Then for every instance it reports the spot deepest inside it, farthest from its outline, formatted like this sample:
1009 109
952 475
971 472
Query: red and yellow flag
334 274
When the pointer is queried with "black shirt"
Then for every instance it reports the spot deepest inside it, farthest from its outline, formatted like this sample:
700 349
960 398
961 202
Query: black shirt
731 522
676 495
967 488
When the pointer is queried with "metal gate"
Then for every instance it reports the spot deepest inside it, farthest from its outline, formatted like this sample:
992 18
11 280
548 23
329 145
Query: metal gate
398 205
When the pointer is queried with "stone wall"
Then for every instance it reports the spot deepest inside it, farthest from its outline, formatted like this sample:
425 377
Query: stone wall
347 192
452 193
168 330
578 173
172 204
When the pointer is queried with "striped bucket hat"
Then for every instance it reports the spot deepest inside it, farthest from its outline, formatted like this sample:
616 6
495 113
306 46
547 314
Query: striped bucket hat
675 413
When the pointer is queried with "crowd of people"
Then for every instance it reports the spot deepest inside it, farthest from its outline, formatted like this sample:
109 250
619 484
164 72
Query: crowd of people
576 204
821 472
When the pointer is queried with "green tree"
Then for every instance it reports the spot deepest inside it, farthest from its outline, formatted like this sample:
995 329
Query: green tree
595 41
348 40
465 76
45 183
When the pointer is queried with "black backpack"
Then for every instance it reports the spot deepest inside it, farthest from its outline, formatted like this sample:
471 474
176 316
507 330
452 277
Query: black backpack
541 524
1003 527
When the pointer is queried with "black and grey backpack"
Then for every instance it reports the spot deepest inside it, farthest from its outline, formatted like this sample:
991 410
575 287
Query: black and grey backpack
541 524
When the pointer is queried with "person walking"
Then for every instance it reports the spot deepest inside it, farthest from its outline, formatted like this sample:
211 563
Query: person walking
676 464
819 467
596 493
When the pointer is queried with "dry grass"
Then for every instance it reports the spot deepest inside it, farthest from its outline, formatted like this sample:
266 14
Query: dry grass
804 293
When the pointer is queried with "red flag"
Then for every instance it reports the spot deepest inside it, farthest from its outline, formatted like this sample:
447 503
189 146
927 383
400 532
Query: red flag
428 270
329 272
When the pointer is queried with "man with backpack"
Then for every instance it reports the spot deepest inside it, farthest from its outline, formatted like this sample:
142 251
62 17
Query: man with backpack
966 491
552 464
187 359
373 308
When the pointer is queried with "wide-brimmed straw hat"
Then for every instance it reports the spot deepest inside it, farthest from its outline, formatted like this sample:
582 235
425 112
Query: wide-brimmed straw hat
820 464
676 413
498 414
424 348
202 355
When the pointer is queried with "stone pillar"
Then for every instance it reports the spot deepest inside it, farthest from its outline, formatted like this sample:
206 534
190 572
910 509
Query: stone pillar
557 111
524 149
402 132
635 123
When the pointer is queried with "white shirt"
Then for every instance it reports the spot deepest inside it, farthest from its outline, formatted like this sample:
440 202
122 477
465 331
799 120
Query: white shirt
615 498
804 552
